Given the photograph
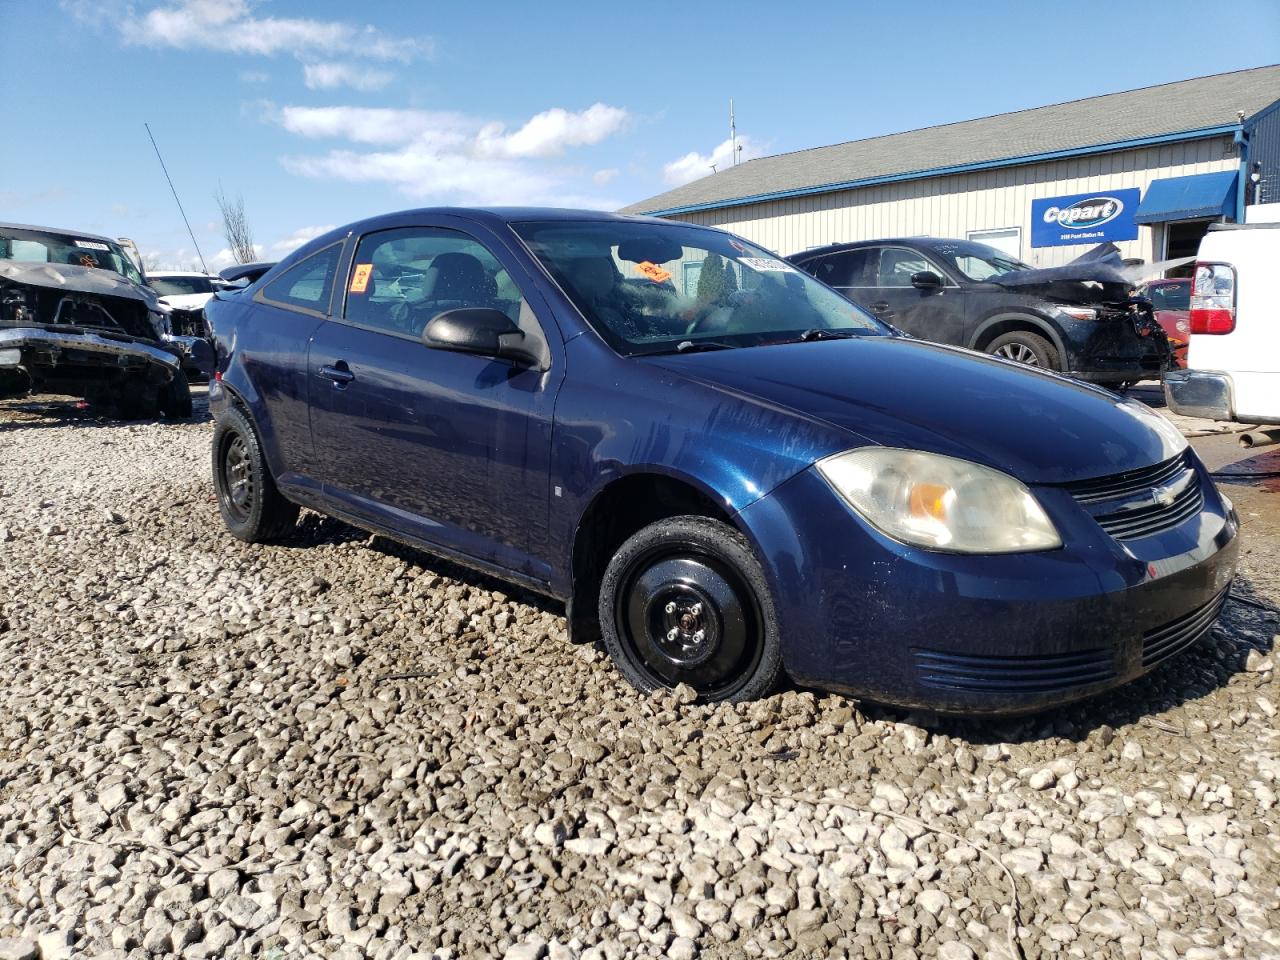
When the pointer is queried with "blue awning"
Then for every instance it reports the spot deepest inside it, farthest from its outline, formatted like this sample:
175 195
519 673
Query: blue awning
1189 198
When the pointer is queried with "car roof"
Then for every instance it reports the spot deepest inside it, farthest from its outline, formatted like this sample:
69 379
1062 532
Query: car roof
181 273
83 234
879 242
502 215
489 216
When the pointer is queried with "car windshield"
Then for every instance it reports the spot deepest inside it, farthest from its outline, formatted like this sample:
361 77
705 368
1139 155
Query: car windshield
657 288
39 246
1171 296
977 261
180 286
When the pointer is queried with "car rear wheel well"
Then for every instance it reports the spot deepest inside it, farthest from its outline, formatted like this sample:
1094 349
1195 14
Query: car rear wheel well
625 506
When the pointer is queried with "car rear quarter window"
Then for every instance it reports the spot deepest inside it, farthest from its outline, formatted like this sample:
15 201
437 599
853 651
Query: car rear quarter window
848 268
402 278
308 284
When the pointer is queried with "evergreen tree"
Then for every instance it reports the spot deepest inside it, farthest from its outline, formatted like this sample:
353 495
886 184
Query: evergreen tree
730 279
711 279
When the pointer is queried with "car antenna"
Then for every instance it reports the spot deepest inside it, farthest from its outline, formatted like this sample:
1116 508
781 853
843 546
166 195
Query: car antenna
190 232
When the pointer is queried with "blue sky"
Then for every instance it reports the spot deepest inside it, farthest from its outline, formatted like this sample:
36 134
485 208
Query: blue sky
319 112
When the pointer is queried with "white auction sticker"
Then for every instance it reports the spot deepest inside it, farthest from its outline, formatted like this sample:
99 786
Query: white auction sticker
764 264
92 245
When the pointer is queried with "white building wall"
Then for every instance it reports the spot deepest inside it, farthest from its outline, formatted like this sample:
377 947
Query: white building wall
951 206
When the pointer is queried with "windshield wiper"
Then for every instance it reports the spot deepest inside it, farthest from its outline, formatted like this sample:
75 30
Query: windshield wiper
696 346
817 333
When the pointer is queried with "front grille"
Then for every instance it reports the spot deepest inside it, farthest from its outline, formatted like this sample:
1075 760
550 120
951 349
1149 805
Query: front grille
1030 674
1121 485
1164 642
1142 503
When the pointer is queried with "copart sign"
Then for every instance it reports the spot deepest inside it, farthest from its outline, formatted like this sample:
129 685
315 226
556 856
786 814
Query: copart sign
1084 218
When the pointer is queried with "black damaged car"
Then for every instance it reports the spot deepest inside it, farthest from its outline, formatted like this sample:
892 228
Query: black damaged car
1080 319
77 318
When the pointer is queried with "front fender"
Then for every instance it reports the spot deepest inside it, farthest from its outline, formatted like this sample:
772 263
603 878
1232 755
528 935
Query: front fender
1026 317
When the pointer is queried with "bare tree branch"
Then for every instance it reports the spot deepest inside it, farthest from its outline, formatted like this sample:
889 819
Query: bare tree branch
235 227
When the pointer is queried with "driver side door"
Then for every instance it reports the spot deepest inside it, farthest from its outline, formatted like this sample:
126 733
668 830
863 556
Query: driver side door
450 448
929 314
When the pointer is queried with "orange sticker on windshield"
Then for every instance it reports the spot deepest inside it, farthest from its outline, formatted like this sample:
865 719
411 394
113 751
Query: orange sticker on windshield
360 278
653 271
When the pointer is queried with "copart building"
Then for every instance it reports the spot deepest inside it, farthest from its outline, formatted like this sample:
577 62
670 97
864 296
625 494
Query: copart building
1147 169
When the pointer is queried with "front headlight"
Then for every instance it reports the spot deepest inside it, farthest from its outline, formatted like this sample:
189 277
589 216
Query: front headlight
940 502
1079 313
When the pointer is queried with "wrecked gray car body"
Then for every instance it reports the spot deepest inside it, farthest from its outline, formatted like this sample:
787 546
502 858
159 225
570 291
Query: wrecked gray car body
82 325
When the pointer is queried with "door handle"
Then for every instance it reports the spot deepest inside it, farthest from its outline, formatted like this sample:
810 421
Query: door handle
338 372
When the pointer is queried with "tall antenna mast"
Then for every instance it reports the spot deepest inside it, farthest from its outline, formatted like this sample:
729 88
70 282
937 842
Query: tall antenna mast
733 133
190 232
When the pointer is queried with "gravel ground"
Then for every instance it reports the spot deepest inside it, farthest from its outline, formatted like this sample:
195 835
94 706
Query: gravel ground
345 748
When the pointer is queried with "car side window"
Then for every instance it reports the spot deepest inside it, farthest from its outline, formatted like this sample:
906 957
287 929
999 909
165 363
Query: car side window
849 268
307 284
402 278
898 264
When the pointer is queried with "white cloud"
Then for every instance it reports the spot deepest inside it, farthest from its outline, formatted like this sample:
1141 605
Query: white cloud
254 76
298 238
327 76
602 177
225 258
694 165
441 154
548 133
231 26
379 125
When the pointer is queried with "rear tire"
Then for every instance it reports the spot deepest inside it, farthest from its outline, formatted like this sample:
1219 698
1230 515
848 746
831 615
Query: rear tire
175 397
250 504
685 600
136 399
1024 347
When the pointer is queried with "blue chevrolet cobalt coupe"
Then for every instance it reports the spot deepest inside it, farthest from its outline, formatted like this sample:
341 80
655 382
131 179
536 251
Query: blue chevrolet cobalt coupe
726 469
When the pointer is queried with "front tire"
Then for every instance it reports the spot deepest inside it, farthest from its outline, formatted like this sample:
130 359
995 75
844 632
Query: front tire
250 504
1023 347
685 600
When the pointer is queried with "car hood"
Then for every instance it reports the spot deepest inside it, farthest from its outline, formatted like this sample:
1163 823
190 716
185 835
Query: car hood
1039 427
73 277
187 301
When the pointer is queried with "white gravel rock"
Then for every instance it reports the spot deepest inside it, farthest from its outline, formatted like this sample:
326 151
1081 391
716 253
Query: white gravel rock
342 747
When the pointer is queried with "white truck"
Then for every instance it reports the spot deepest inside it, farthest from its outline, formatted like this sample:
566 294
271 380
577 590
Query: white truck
1233 364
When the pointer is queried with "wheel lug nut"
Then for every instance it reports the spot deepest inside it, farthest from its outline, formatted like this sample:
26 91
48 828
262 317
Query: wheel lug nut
696 610
670 607
700 636
672 633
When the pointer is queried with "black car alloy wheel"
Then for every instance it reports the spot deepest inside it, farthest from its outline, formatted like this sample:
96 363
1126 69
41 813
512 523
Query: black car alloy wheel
684 616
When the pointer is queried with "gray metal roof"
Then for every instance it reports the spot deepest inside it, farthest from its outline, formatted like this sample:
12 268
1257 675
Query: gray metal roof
1167 110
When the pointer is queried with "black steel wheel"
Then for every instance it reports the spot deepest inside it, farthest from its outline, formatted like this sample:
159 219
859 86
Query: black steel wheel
248 500
685 601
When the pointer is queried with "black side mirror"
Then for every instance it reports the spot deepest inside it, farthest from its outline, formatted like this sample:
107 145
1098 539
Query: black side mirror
926 280
479 330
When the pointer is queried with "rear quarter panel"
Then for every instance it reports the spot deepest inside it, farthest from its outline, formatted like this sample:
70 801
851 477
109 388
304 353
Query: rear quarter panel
261 354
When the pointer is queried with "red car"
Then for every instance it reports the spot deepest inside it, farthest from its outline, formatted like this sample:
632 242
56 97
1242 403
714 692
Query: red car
1171 302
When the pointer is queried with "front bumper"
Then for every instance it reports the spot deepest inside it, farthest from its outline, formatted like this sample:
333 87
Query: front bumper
197 354
1200 393
41 347
867 616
